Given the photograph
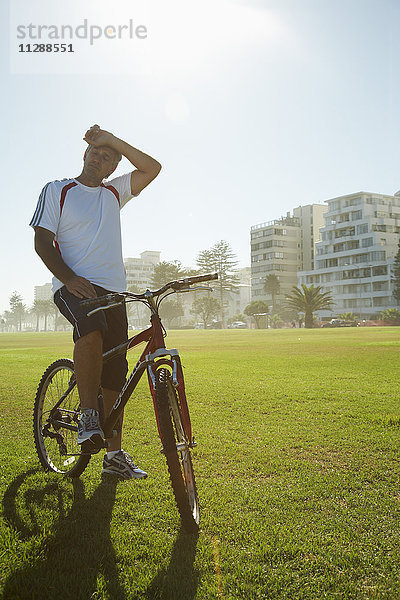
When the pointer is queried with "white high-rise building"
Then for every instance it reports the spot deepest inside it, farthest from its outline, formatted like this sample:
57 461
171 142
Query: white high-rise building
139 271
353 259
43 292
283 247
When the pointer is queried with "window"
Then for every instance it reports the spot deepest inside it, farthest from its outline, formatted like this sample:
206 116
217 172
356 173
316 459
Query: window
379 227
334 205
381 301
379 270
366 242
379 255
357 214
352 202
360 258
363 228
380 286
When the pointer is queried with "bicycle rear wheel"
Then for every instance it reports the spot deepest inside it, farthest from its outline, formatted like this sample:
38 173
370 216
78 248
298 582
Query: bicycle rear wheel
176 448
55 420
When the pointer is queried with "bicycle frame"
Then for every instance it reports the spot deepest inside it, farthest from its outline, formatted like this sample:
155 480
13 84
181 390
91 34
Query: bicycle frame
154 356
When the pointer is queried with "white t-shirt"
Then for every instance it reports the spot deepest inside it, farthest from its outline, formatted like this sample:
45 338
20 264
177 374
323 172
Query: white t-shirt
87 228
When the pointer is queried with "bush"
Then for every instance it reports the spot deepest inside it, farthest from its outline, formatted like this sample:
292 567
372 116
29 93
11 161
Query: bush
391 316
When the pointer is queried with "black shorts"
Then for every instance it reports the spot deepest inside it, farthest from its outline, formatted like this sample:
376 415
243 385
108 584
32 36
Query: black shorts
113 325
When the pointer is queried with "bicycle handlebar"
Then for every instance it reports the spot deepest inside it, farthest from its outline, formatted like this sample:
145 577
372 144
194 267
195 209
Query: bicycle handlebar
179 283
116 298
102 300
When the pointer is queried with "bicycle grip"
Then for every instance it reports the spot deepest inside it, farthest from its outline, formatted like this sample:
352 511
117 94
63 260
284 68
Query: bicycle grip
197 279
101 301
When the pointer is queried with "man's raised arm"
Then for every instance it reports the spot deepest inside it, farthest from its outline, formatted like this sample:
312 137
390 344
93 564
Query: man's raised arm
147 168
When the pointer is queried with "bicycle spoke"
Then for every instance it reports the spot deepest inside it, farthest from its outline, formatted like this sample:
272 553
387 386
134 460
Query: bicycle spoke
55 443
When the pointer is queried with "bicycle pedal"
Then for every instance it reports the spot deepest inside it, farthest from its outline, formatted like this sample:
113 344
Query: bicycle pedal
93 445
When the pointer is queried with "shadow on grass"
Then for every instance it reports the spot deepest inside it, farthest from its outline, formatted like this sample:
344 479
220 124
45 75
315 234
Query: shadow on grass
179 580
73 557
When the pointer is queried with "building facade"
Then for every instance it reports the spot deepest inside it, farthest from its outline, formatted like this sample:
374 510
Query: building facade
43 292
240 297
353 259
139 271
284 247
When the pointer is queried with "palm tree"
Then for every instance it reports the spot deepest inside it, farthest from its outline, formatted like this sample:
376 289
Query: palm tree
307 300
37 310
47 307
42 308
272 286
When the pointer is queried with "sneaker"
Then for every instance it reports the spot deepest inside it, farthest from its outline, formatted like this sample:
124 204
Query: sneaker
89 429
121 464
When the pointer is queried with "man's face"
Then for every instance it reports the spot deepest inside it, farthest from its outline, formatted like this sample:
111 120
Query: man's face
100 161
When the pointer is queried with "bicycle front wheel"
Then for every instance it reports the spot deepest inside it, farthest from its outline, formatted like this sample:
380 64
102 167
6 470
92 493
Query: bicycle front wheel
55 420
176 447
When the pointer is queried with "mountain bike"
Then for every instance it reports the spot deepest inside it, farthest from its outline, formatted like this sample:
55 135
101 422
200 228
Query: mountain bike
57 407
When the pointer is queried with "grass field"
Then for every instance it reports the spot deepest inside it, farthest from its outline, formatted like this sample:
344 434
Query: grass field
297 466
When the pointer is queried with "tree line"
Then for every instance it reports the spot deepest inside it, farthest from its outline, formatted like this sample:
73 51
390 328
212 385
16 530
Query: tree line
300 304
19 312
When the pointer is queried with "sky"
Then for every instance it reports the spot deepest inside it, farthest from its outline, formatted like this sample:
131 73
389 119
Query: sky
252 108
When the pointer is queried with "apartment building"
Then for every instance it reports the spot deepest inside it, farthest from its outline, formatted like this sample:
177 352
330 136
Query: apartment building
240 297
284 247
43 292
353 259
139 271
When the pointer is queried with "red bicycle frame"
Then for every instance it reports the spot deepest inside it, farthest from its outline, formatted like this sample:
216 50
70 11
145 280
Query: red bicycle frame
154 356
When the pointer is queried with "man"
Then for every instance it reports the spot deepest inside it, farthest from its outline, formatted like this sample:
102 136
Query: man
78 237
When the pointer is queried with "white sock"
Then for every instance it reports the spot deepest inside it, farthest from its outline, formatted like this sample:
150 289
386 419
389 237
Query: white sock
112 454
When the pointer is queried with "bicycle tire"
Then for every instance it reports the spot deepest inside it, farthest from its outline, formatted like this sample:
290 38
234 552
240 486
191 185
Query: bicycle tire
179 460
55 444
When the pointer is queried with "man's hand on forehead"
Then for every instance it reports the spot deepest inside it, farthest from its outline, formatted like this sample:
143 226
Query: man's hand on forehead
99 137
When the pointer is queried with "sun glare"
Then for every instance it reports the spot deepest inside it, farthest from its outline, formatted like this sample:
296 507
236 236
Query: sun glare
185 37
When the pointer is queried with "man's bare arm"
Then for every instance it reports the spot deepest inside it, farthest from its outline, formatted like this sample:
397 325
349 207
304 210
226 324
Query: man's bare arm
79 286
147 168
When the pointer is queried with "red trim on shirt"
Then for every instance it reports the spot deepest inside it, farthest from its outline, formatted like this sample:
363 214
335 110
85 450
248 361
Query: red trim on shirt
64 193
57 247
113 190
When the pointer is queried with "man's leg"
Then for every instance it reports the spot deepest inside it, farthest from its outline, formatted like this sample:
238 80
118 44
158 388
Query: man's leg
88 361
88 364
117 461
109 398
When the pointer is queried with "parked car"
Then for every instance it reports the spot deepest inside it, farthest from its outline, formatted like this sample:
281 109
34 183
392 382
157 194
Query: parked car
340 323
237 325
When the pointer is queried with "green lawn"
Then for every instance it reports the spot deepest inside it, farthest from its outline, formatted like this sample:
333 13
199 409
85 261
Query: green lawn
297 465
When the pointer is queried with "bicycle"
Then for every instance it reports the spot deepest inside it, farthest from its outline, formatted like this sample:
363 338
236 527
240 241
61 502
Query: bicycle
57 407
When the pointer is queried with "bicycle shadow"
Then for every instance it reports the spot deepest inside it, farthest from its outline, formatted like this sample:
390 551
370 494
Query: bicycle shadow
76 548
179 579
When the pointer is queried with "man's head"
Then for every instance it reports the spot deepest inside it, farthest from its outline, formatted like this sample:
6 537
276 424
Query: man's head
101 161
